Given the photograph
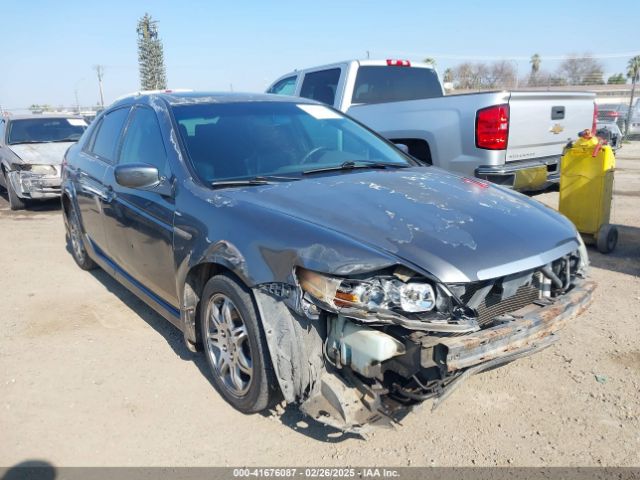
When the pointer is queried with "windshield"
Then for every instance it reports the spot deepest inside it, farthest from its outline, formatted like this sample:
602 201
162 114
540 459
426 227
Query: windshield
42 130
260 139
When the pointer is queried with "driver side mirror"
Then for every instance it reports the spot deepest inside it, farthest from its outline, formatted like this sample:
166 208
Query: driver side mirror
403 147
137 175
142 176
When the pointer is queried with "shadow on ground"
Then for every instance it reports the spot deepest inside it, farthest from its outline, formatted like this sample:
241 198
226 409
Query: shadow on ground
626 256
297 421
30 470
32 207
291 417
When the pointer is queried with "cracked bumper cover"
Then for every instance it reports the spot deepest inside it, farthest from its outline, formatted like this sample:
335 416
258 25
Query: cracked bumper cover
533 325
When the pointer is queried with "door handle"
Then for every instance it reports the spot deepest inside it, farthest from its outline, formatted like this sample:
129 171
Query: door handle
98 192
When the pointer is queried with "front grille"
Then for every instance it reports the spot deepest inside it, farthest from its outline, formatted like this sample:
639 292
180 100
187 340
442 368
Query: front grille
492 306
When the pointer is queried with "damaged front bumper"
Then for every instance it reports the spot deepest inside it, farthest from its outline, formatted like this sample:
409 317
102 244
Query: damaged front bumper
29 185
349 402
529 325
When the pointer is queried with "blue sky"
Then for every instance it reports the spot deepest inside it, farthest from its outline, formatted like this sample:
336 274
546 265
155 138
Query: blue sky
50 46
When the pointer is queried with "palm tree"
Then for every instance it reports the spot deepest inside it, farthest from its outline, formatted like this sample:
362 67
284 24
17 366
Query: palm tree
535 63
448 76
535 67
633 72
430 61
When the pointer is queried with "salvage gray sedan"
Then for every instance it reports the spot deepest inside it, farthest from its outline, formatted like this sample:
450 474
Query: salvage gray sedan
31 151
312 260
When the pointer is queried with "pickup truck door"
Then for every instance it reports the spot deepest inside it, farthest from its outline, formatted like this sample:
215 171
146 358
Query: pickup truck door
92 195
139 222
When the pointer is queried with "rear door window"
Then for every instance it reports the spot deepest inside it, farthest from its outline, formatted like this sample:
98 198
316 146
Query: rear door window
321 86
286 86
107 139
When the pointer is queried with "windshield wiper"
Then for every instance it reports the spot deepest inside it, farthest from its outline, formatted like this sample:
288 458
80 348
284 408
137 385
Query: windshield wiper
65 140
351 165
261 180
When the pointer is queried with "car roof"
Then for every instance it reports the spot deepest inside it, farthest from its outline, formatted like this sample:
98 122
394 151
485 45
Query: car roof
44 115
188 97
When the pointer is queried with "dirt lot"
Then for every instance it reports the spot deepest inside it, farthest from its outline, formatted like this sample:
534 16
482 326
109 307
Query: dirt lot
91 376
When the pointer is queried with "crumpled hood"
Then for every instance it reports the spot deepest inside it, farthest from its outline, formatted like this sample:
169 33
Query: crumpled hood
41 153
455 228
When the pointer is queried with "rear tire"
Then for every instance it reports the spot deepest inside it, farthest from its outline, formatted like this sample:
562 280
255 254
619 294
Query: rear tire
235 346
76 242
15 202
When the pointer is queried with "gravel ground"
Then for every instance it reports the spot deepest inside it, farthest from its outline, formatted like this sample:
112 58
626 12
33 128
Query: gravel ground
90 376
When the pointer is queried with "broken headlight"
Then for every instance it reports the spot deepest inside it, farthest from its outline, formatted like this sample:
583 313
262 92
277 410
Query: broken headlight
36 169
373 294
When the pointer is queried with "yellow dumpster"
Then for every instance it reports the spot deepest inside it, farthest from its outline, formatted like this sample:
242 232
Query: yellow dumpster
586 190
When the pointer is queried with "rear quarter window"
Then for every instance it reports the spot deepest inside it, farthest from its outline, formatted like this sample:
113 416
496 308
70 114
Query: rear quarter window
382 84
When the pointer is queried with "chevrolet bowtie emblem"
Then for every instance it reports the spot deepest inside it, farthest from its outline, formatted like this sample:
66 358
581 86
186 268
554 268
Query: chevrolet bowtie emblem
557 128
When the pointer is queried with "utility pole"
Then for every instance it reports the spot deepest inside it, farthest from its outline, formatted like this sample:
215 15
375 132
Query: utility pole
367 54
100 72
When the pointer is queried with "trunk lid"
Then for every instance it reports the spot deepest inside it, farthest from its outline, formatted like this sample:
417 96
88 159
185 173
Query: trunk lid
541 123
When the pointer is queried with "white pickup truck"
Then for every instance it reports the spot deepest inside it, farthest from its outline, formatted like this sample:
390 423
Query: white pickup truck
513 138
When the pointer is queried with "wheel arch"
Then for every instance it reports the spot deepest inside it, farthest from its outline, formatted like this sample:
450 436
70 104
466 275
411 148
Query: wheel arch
193 286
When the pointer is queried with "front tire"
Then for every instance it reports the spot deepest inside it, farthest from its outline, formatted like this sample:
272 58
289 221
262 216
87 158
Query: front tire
235 346
15 202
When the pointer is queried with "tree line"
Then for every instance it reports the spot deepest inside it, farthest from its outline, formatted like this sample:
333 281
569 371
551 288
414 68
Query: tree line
574 70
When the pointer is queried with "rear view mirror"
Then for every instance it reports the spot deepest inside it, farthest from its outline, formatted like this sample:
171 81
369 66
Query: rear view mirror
137 175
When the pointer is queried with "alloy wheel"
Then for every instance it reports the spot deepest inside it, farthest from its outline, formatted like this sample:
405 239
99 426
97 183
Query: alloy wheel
227 345
76 237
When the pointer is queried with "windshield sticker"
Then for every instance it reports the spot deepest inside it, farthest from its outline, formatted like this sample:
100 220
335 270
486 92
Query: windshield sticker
319 112
76 122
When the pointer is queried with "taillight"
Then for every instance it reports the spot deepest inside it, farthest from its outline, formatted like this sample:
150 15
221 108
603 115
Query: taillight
492 127
398 63
595 118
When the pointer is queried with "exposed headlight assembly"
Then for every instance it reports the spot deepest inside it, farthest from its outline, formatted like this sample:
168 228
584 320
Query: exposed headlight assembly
37 169
385 299
372 294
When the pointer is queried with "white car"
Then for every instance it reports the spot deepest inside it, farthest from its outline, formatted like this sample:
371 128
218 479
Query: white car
31 151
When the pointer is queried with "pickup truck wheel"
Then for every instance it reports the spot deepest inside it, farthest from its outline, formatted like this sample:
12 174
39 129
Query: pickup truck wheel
74 236
15 202
235 346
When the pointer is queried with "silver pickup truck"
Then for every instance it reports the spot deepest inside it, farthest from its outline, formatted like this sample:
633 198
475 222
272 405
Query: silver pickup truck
513 138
